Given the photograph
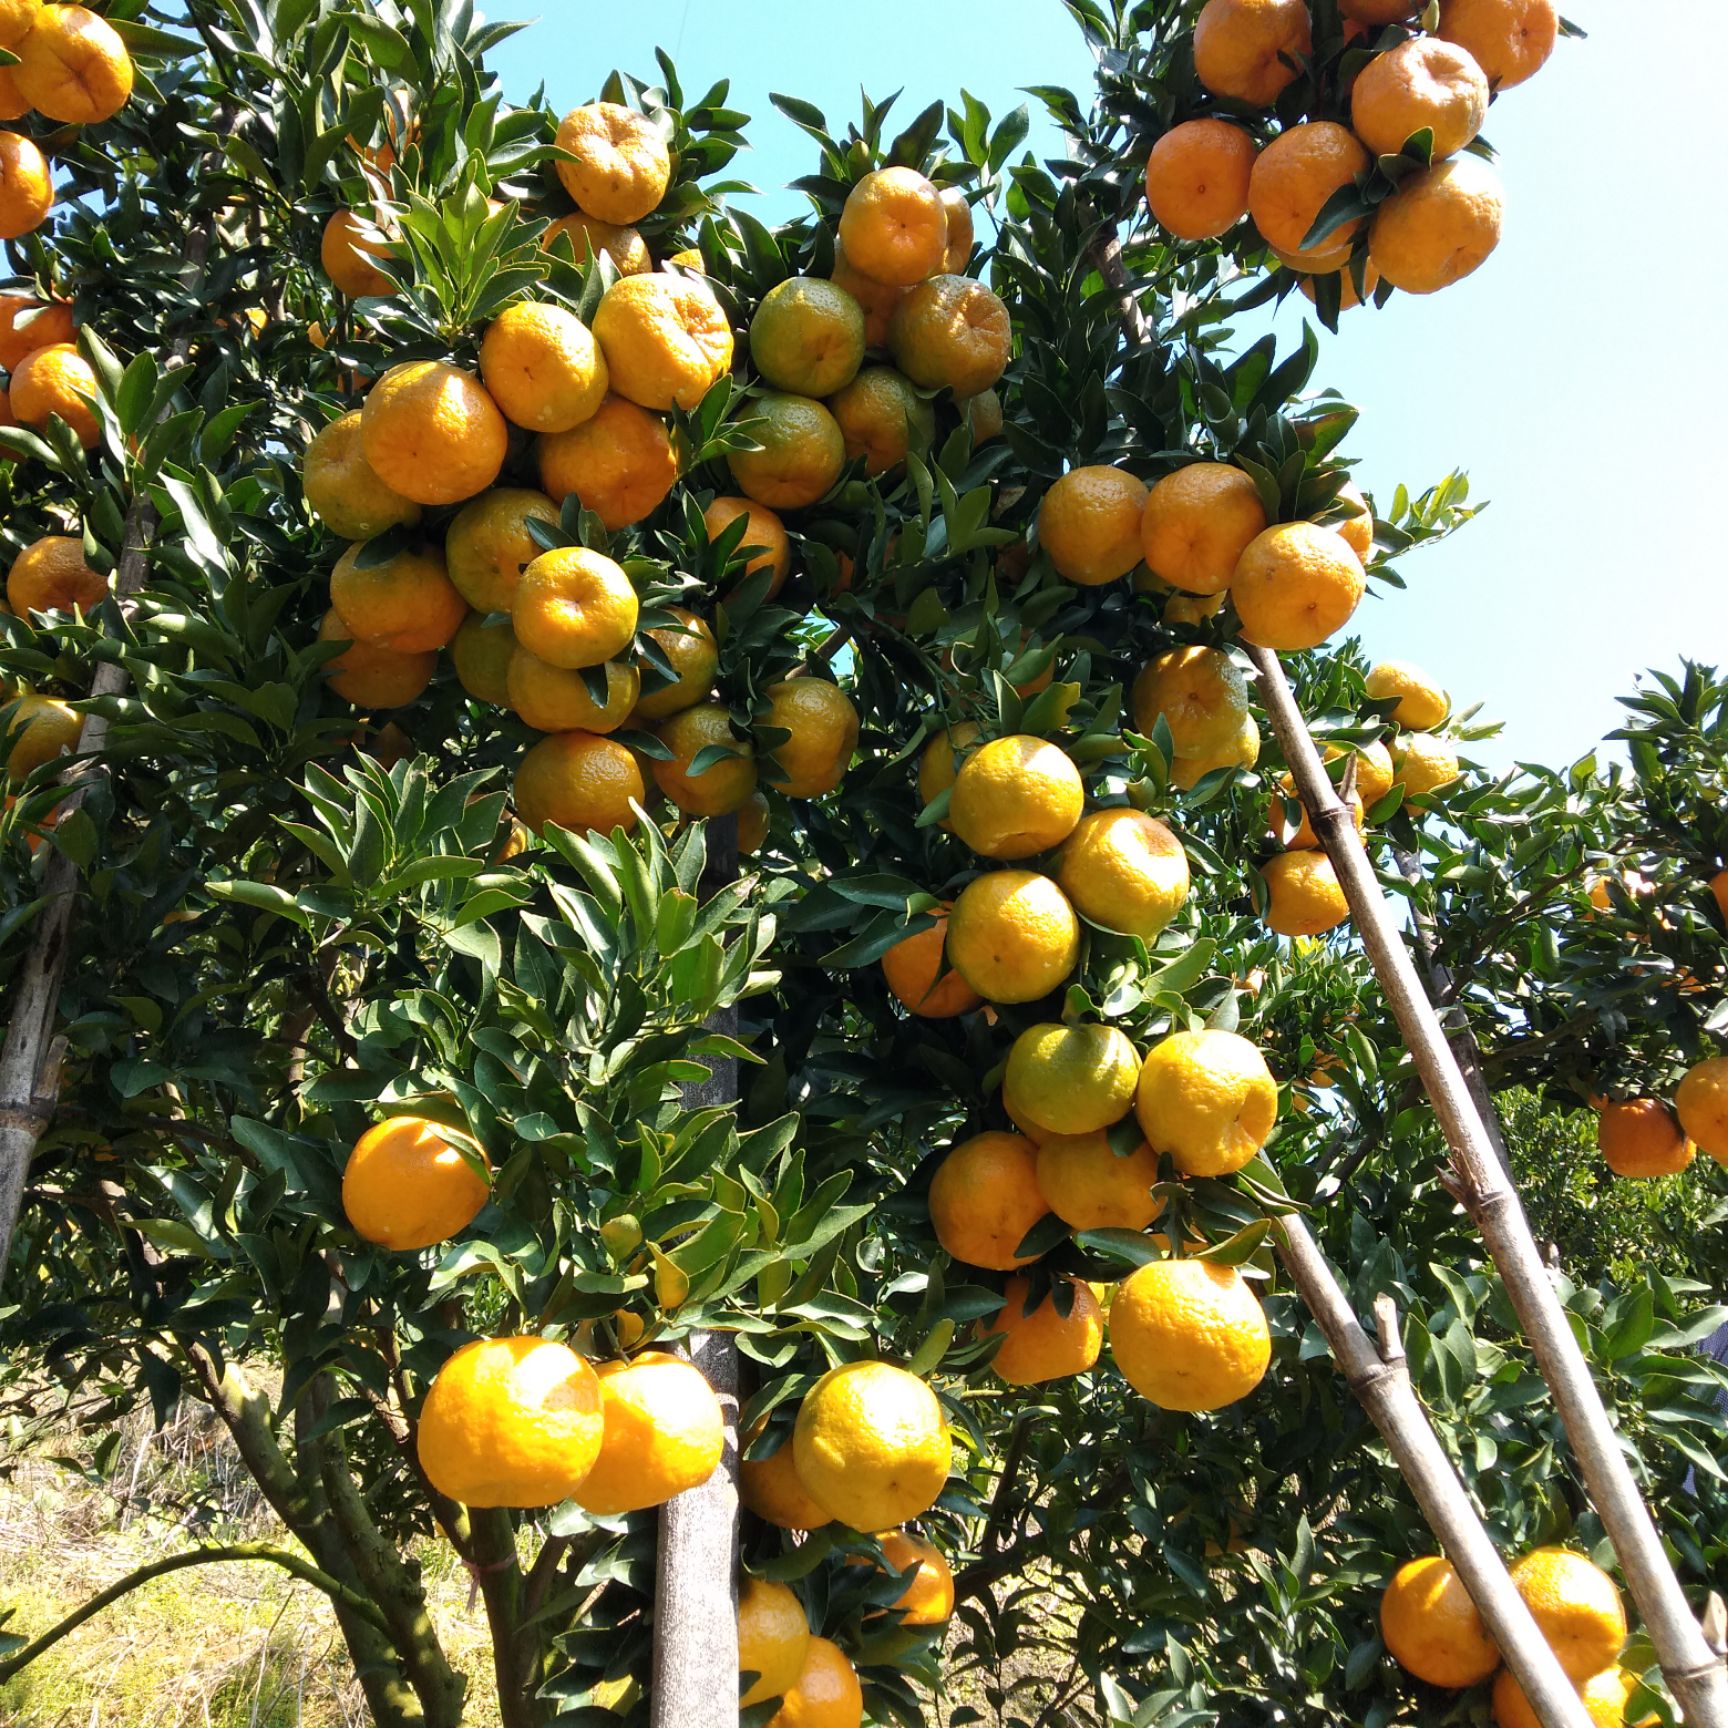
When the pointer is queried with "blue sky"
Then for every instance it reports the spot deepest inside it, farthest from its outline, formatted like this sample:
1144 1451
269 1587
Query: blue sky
1567 376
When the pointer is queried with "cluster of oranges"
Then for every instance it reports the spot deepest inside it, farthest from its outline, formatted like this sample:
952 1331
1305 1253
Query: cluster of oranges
1437 224
1433 1630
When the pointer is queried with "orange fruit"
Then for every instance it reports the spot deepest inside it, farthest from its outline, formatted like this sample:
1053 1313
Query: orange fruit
917 973
1089 523
1719 891
770 1487
370 675
1431 1627
1353 520
1189 1335
936 767
590 237
16 19
1293 178
773 1636
575 608
432 433
50 575
346 251
665 337
1089 1187
580 782
1701 1102
27 324
1423 763
1305 897
1124 870
406 1186
724 784
1201 696
1302 837
752 824
807 337
1422 704
56 380
480 656
800 456
1576 1607
621 166
663 1433
342 489
1349 296
557 699
406 602
488 544
1242 48
1509 39
1642 1137
928 1599
695 657
881 417
960 233
872 1445
765 532
1039 1342
1013 936
1604 1697
511 1422
619 463
1296 585
876 299
983 416
894 227
13 106
40 728
826 1693
1438 226
73 66
26 186
824 734
951 333
984 1198
1071 1078
1208 1099
1197 178
1015 797
1197 524
1424 83
543 368
1377 11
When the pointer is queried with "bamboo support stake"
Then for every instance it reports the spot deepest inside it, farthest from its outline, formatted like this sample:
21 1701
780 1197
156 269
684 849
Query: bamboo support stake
1694 1673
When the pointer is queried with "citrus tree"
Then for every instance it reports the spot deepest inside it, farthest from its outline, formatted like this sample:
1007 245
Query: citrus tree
838 900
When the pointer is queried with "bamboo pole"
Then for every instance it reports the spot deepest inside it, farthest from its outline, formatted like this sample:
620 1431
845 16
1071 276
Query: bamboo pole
1694 1673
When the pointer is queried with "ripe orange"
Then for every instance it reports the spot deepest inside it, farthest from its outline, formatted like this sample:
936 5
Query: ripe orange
918 974
1353 520
556 698
894 227
346 251
575 608
580 782
26 186
344 492
1197 524
1423 763
881 417
1509 39
665 337
406 602
370 675
959 252
1013 936
1089 523
56 380
773 1636
1642 1137
1719 891
826 1693
1576 1607
27 324
824 734
1243 48
480 657
1701 1102
877 299
807 337
1423 83
1089 1187
488 544
511 1422
872 1445
590 237
41 728
1042 1343
1302 837
1296 585
765 532
1189 1335
432 433
1377 11
13 106
1604 1696
663 1433
1431 1626
621 166
936 768
1293 178
543 368
1438 226
951 333
928 1599
800 456
722 786
1124 870
50 575
1422 704
407 1186
983 416
619 463
16 18
695 657
1208 1099
1197 178
1349 296
1071 1079
1305 895
1015 797
771 1488
984 1198
73 66
1201 696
